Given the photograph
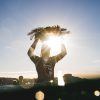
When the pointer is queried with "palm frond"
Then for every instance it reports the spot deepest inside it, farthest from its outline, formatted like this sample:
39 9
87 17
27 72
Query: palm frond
41 32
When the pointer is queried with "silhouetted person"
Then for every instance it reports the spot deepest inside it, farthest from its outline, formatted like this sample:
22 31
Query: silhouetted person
21 80
45 64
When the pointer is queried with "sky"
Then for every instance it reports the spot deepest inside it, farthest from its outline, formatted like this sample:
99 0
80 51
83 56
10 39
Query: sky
81 17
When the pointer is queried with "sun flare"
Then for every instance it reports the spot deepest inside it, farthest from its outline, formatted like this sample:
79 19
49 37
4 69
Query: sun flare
54 43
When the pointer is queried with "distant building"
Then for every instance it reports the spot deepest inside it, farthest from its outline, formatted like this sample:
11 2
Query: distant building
68 78
7 81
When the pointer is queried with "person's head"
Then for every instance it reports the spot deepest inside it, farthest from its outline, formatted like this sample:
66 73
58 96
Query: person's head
45 51
20 78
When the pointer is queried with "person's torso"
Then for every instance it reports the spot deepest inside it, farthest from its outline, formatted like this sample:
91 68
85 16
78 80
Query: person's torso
45 69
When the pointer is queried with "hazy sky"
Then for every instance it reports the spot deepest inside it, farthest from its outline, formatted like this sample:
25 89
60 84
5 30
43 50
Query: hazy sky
81 17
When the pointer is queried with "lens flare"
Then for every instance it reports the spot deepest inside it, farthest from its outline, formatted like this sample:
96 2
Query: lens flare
60 79
97 93
54 43
39 95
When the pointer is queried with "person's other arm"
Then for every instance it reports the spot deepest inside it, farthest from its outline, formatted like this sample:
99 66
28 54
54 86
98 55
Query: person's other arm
61 54
31 50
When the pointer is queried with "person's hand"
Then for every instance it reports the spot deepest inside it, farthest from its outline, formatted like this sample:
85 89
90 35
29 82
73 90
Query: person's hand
34 43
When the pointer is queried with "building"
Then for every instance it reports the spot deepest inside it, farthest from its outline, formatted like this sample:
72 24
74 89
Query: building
68 78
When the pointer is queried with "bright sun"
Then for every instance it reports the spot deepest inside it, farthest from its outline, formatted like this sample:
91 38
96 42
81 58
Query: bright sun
54 42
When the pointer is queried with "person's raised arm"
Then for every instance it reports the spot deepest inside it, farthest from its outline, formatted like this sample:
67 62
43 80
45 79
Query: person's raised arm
32 48
61 54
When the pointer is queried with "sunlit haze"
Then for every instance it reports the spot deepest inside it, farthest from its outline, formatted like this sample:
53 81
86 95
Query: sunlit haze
54 43
80 17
